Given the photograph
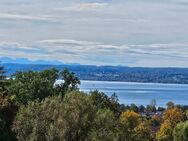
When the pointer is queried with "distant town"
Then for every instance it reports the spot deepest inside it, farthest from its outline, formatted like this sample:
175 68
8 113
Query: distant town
111 73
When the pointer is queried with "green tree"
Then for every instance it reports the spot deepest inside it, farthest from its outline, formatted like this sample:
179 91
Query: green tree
141 109
28 86
2 72
134 108
68 119
170 105
2 79
180 132
104 126
104 102
151 108
70 82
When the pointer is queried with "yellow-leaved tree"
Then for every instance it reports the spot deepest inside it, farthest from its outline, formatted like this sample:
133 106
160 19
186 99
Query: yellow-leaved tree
133 128
171 118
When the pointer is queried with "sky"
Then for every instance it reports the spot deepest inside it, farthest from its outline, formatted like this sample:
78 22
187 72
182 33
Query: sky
147 33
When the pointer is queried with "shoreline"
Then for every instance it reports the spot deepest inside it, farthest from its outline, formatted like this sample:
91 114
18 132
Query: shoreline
110 81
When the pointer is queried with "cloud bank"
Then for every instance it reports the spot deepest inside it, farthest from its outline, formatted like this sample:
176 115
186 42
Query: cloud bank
97 53
108 32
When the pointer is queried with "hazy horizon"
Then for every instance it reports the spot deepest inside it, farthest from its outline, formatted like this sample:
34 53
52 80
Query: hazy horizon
144 33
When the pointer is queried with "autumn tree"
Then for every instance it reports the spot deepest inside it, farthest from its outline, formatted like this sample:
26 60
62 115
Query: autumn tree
142 132
173 115
171 118
127 122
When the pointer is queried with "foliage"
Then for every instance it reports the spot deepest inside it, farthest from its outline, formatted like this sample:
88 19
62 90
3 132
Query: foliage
133 128
56 119
2 72
2 79
165 132
141 109
134 108
127 122
170 105
142 132
104 126
180 132
161 109
171 118
104 102
173 115
186 114
28 86
151 108
8 111
48 112
131 118
70 82
156 120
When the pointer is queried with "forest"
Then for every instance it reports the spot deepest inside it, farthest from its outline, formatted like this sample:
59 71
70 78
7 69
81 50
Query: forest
33 108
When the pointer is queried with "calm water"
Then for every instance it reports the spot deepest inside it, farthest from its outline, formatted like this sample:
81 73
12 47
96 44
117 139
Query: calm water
140 93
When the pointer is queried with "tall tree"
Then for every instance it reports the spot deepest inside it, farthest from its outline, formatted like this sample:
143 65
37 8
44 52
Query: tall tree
71 82
2 71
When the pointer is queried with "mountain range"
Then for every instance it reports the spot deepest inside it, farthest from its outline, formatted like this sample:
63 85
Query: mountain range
102 73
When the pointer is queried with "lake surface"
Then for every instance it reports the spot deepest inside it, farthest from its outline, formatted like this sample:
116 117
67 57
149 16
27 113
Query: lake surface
140 93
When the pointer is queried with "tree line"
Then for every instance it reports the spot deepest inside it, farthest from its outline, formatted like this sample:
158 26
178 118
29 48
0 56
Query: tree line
33 108
113 73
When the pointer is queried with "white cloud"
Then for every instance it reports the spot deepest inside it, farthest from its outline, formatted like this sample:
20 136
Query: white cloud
78 46
67 41
83 7
9 16
178 50
15 46
88 52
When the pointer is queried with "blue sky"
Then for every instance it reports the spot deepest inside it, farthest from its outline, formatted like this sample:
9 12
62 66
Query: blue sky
151 33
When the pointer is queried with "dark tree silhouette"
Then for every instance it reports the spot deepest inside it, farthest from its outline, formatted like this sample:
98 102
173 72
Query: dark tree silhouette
2 72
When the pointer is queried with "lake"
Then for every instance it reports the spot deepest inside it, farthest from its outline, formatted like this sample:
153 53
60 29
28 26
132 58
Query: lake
140 93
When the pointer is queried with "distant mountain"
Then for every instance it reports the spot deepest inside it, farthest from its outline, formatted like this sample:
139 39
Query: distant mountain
6 60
